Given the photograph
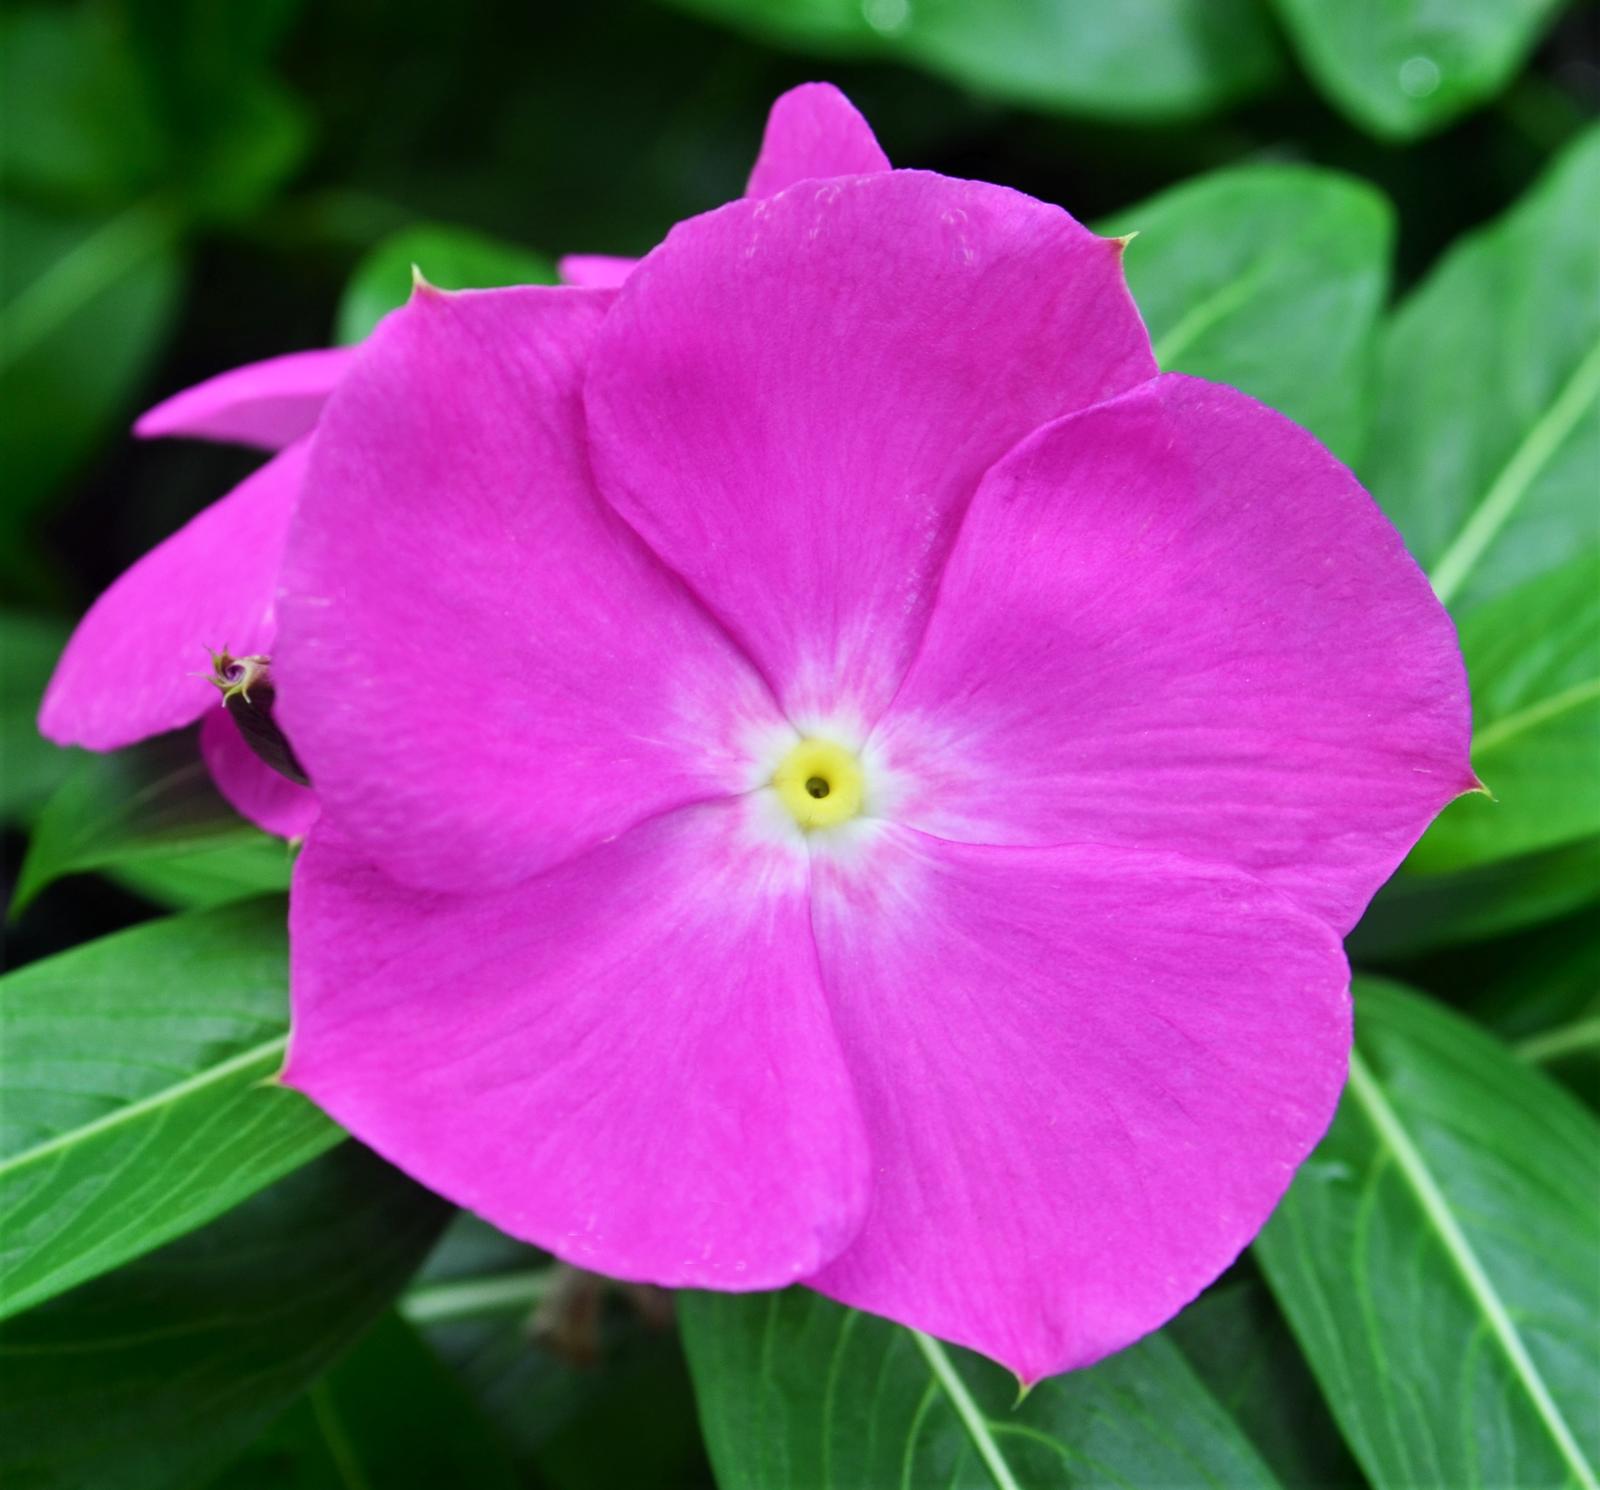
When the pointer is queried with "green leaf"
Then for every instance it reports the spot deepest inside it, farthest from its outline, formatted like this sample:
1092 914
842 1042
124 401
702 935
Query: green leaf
1401 68
1416 912
1533 656
33 767
152 801
449 258
136 1100
389 1416
157 1375
84 308
1436 1258
1139 60
1269 278
1241 1348
1486 441
258 865
628 1419
796 1391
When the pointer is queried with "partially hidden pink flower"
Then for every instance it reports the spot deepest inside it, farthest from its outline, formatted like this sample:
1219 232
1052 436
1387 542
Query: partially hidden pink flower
835 770
135 666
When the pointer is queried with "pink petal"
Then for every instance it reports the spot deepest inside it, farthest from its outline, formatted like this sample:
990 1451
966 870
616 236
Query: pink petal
252 788
267 404
1087 1077
793 400
482 669
136 665
594 271
814 130
627 1061
1176 622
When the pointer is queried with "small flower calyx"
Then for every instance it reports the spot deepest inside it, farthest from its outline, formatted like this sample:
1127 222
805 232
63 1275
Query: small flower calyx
820 783
248 696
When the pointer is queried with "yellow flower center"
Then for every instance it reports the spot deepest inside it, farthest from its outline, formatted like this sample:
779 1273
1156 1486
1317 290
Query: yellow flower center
820 783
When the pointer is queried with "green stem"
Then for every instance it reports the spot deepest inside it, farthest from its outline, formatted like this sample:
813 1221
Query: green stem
477 1298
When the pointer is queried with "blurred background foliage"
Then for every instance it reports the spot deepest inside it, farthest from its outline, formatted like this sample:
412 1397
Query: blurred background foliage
1381 216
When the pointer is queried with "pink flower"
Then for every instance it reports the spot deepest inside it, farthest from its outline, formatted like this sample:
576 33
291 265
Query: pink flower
833 769
136 665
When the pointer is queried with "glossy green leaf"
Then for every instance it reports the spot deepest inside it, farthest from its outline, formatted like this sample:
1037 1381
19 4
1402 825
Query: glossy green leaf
152 801
1487 436
84 307
449 258
258 865
389 1416
154 1377
1401 68
33 767
1416 912
1136 60
136 1098
1269 278
1436 1258
1533 656
796 1391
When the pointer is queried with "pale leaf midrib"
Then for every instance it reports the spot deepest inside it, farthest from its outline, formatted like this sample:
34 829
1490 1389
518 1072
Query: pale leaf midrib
1392 1133
1533 452
1530 716
154 1101
972 1418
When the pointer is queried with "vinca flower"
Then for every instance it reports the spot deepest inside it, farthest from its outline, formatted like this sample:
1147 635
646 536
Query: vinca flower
833 769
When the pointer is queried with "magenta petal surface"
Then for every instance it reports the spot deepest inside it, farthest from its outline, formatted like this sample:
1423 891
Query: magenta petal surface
793 400
594 271
814 130
482 668
1176 622
136 665
266 404
252 788
1087 1077
628 1060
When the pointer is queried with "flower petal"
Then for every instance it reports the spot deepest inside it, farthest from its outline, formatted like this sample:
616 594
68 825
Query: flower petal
136 664
812 131
482 669
793 400
1087 1077
267 404
252 788
594 271
627 1061
1176 622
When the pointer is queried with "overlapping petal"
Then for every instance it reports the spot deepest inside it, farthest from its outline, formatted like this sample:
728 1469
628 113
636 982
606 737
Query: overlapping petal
252 788
266 404
813 131
1175 622
793 401
1087 1076
594 271
136 664
627 1060
483 669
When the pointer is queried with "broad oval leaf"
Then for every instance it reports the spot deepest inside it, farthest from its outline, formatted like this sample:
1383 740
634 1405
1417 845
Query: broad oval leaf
1401 68
1487 437
1436 1258
155 1376
1136 60
796 1391
136 1099
153 801
448 258
34 767
1533 656
1269 278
